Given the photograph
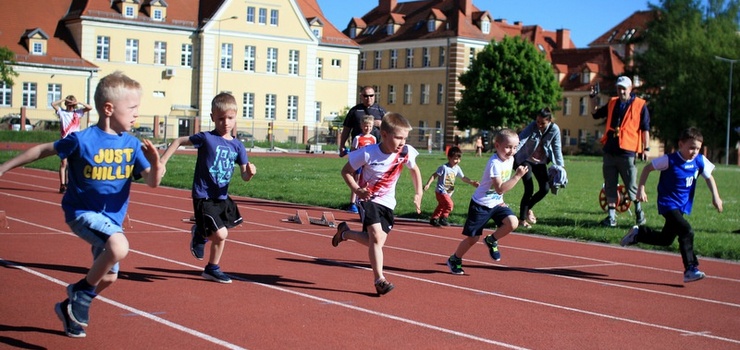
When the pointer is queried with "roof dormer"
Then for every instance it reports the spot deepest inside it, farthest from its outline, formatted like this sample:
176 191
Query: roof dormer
483 21
435 19
356 25
394 22
128 8
156 10
36 41
317 26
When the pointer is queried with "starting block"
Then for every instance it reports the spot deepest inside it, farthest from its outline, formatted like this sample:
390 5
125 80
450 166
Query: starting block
301 217
3 220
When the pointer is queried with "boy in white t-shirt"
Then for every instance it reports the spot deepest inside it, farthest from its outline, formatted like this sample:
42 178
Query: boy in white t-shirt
381 165
488 201
69 122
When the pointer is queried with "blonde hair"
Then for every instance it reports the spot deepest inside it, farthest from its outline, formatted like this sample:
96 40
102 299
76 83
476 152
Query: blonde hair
504 134
223 102
368 119
392 121
113 87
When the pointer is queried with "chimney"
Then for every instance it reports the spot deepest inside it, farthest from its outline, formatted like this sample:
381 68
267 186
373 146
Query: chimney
562 38
386 6
466 6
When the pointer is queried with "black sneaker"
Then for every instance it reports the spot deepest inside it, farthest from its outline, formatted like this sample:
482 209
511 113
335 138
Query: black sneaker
216 275
71 329
444 222
341 228
78 307
640 218
197 244
383 287
492 244
609 222
629 238
434 222
455 265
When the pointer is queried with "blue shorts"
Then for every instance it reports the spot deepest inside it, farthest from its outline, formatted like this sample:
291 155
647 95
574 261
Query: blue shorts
95 228
479 215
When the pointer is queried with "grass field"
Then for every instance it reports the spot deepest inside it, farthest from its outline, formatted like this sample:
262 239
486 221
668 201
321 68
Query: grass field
573 213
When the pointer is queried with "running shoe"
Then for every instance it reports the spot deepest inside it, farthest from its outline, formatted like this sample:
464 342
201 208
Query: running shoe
492 244
71 329
353 208
78 307
383 287
609 222
434 222
341 228
444 222
693 274
455 265
216 275
631 237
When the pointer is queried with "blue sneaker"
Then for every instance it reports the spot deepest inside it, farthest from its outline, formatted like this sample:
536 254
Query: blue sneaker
492 247
353 208
71 329
630 237
78 307
455 265
197 244
693 274
216 275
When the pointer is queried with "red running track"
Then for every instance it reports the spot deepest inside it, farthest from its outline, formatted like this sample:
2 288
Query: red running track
293 290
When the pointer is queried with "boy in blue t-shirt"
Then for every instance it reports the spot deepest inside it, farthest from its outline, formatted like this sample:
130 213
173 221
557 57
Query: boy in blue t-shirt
676 186
214 210
445 176
103 160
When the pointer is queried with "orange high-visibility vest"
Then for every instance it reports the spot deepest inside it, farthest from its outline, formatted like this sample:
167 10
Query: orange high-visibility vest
630 137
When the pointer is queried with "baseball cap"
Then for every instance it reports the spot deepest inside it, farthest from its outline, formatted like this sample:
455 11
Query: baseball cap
624 82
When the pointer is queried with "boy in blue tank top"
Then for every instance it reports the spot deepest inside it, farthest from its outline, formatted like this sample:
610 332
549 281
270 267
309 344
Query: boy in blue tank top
676 186
103 160
215 213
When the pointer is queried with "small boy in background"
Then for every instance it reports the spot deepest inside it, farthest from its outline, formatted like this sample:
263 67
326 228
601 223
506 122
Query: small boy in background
445 176
215 212
676 186
96 204
488 201
363 139
381 165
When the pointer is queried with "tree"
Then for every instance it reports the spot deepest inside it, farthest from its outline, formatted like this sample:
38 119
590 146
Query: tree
508 82
7 59
687 86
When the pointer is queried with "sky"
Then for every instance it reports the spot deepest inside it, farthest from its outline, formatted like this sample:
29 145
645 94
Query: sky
586 19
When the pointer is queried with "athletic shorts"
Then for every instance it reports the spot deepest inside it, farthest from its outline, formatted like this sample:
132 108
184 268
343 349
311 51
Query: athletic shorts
479 215
213 214
372 213
95 228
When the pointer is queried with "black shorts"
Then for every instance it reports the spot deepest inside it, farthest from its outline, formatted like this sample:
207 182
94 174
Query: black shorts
372 213
479 215
213 214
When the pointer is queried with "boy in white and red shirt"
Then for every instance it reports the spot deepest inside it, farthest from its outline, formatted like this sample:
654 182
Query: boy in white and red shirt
69 120
363 139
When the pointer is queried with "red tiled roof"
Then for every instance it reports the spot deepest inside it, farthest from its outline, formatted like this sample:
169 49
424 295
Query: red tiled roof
331 35
630 29
600 60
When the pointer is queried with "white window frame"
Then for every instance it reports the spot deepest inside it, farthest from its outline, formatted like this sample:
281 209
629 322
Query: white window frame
158 15
270 107
335 62
440 93
566 106
30 93
160 52
319 67
6 94
378 62
391 94
272 58
53 93
262 16
186 55
407 94
424 92
426 59
583 106
102 48
227 56
394 59
274 17
250 58
292 111
317 111
132 50
37 49
410 58
363 60
248 105
294 57
250 14
442 55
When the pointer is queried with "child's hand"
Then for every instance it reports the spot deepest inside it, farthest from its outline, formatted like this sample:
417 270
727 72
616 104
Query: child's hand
150 152
717 202
475 183
426 187
641 195
521 170
363 193
417 202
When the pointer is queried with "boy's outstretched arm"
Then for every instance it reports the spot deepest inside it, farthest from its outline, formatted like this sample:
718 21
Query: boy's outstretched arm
180 141
248 170
502 187
34 153
153 175
716 201
641 195
416 180
467 180
429 182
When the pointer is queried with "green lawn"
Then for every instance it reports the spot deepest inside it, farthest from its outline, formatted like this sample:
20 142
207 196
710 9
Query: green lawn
573 213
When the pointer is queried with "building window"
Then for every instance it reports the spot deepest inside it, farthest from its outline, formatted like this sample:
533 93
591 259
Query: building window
566 106
583 108
158 15
378 59
292 107
186 55
128 11
293 59
407 94
263 16
409 58
53 93
274 17
317 33
250 14
319 68
336 62
250 54
431 26
586 76
227 53
270 106
6 94
29 95
158 94
426 59
248 105
442 54
394 59
440 93
389 28
363 60
471 57
391 94
102 50
132 50
37 49
317 109
485 26
160 52
424 94
272 55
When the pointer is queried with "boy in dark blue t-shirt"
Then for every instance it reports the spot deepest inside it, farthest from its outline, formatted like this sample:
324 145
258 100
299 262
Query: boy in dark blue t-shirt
214 210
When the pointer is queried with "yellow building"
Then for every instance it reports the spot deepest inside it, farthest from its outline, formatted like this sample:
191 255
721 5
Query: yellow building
287 66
